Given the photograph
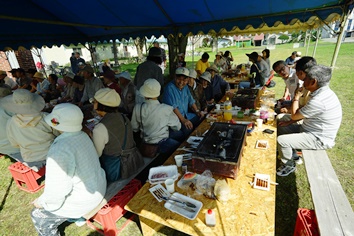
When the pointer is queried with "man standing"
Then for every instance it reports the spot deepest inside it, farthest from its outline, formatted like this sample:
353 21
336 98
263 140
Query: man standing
163 56
92 84
73 63
322 116
7 80
78 60
202 64
290 61
179 97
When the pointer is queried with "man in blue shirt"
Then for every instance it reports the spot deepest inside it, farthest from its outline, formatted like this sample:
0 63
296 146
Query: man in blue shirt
179 97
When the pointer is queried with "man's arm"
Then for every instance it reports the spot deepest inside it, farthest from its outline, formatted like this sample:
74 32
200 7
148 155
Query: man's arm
295 106
183 120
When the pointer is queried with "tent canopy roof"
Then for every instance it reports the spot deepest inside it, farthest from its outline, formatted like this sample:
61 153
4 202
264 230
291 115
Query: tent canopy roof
36 23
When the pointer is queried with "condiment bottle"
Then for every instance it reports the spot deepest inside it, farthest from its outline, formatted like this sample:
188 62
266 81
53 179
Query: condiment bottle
210 218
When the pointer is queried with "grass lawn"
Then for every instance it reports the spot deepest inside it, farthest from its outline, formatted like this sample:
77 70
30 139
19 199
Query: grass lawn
293 191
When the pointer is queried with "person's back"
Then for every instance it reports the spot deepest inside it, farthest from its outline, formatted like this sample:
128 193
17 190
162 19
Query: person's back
264 71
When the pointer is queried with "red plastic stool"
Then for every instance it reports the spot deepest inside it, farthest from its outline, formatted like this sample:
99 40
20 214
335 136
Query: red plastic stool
26 178
114 210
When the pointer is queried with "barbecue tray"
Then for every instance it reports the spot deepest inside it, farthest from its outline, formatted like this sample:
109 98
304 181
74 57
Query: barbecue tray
221 149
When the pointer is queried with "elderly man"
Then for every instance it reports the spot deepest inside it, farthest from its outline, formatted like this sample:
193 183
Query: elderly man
322 116
202 64
7 80
179 97
92 84
220 86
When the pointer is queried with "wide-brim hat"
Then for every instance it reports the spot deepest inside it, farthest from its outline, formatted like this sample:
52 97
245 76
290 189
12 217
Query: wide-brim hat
192 73
212 67
155 52
182 71
2 72
23 101
150 89
65 117
253 56
125 75
108 97
206 76
38 75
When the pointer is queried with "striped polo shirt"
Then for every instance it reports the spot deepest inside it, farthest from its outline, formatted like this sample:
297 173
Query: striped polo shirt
323 115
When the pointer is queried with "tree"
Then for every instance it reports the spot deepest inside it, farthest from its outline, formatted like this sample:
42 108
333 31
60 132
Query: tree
176 44
283 38
139 44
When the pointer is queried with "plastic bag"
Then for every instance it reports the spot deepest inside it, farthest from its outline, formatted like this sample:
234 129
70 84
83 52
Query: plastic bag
222 190
205 184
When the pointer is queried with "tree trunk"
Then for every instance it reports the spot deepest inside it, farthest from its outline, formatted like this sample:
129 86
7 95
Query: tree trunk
115 53
139 44
215 44
176 44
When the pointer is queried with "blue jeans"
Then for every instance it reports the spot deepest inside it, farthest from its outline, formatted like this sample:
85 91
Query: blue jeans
183 133
111 165
243 85
46 223
168 145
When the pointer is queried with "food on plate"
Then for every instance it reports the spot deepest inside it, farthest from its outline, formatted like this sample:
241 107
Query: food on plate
189 176
159 175
262 144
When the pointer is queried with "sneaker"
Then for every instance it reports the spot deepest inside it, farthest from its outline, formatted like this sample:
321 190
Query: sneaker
286 169
298 160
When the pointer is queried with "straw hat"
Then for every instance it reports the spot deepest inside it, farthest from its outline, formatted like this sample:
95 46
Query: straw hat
23 101
2 72
65 117
150 89
38 75
108 97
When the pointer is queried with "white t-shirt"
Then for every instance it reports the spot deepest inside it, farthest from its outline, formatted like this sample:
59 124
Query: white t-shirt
10 82
291 82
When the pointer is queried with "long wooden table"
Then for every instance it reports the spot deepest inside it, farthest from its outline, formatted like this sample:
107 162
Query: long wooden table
248 211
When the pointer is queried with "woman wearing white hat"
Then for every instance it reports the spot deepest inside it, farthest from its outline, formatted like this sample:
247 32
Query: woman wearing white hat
5 145
74 181
154 120
113 137
27 129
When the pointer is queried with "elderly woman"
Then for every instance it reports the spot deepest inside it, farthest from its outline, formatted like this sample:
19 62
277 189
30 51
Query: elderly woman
27 128
113 137
154 119
74 181
197 91
5 146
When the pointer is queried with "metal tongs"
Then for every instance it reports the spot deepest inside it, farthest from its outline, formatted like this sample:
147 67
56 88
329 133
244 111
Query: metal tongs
188 204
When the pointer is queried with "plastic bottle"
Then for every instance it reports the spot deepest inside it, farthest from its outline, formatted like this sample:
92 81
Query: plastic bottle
227 104
227 111
210 218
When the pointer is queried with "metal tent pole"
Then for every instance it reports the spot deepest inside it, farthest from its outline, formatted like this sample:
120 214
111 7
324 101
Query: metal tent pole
340 36
308 41
317 37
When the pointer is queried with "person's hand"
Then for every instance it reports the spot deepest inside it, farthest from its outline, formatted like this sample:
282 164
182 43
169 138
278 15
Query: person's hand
80 104
200 114
188 124
298 92
285 123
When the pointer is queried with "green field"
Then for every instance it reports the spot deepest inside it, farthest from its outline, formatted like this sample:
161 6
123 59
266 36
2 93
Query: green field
293 191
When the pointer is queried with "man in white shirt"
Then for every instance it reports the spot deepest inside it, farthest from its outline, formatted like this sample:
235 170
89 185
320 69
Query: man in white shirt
7 80
322 116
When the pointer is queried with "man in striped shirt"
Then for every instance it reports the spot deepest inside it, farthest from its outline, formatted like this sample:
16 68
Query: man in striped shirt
322 116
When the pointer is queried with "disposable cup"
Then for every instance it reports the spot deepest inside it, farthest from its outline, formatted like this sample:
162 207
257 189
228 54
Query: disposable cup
217 106
170 185
179 160
259 123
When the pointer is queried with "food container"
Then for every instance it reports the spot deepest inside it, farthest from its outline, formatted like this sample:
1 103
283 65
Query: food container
189 213
221 149
158 175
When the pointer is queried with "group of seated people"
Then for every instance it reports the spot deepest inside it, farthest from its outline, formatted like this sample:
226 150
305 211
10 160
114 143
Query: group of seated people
78 165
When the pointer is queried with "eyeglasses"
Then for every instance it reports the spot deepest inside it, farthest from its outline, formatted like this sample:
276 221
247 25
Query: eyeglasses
281 69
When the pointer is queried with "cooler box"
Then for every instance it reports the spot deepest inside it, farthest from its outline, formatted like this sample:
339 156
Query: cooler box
221 149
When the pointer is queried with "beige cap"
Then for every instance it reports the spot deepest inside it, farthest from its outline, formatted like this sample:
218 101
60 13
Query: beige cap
150 89
108 97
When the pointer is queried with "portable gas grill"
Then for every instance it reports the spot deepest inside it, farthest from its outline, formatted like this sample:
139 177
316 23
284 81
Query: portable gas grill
245 98
221 149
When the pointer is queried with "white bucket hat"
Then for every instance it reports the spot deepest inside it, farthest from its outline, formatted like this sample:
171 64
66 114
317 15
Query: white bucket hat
23 101
65 117
150 89
206 76
108 97
192 73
